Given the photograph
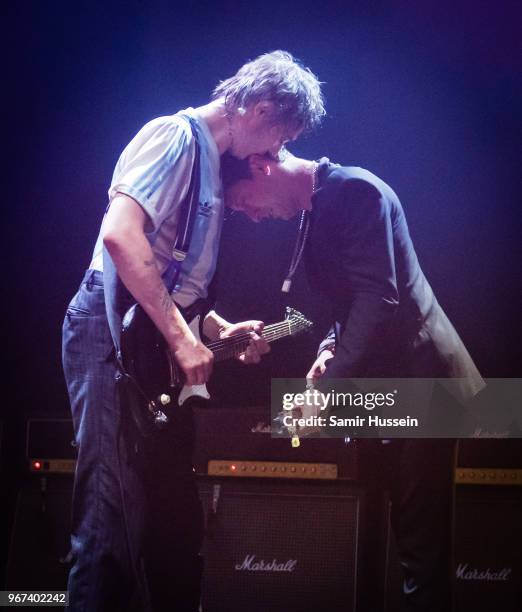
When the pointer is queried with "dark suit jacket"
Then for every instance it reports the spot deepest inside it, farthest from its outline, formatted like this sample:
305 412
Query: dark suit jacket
360 254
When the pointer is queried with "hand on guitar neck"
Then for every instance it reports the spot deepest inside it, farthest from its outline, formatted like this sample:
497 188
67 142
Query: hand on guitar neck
196 360
217 328
257 346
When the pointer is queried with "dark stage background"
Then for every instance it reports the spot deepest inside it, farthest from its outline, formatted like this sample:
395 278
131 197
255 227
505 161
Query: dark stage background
426 95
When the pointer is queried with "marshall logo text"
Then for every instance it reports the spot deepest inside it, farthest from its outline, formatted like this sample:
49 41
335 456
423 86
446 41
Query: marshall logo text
464 572
251 564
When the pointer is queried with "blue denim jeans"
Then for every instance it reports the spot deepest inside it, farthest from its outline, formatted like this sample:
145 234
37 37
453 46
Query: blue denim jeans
136 518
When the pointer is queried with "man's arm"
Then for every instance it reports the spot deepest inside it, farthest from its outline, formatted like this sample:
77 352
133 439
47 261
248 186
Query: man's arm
130 250
319 365
367 275
325 352
328 342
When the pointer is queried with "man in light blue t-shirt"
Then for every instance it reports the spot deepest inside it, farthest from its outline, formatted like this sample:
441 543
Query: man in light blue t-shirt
137 520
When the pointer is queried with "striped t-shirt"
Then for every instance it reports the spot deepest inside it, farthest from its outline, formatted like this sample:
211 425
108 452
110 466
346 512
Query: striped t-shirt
154 170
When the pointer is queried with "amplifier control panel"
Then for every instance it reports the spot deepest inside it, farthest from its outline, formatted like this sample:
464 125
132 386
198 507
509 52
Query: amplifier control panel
52 466
488 476
272 469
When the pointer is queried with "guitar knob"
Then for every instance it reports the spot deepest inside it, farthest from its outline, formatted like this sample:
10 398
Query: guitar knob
160 419
164 399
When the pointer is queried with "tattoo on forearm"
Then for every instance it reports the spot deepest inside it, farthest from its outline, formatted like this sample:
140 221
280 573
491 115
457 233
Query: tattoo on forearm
149 262
166 301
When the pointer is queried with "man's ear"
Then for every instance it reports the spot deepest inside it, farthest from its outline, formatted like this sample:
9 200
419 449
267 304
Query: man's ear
264 110
259 164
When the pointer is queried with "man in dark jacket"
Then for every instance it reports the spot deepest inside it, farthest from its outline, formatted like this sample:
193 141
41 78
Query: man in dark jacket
386 323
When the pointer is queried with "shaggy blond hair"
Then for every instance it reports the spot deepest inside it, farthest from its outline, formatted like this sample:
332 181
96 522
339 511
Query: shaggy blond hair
281 79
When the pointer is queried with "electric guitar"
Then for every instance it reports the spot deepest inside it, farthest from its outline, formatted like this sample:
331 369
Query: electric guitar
157 381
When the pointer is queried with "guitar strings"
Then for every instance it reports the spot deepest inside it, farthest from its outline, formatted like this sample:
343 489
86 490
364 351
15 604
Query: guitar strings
270 333
240 338
275 328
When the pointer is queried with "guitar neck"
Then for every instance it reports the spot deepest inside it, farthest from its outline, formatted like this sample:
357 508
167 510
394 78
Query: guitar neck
235 345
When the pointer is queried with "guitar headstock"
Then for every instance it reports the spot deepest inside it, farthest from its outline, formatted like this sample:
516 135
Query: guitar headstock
298 322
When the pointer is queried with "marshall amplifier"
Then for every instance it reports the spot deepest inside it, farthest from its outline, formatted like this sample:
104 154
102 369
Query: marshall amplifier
244 433
39 543
488 526
50 438
487 540
39 528
488 548
274 546
222 434
492 453
49 446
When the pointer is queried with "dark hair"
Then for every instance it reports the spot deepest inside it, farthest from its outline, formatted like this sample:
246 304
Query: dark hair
234 170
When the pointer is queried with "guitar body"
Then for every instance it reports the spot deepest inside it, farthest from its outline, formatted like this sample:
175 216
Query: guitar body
149 364
155 380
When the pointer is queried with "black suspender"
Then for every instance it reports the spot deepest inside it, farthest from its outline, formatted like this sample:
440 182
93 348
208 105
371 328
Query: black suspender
117 298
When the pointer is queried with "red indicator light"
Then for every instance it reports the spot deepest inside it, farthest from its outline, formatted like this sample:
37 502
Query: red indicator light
37 465
233 467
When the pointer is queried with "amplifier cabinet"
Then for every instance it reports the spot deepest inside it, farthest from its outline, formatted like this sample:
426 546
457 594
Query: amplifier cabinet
233 433
53 438
39 546
488 549
273 546
490 453
487 544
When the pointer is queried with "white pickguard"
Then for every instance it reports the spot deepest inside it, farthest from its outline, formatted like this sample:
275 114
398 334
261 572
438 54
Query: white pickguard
189 391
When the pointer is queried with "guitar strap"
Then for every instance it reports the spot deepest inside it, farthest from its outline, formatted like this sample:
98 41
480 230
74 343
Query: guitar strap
189 209
117 297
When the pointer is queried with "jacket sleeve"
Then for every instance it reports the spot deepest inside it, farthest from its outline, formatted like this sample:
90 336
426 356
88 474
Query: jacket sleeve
365 276
328 341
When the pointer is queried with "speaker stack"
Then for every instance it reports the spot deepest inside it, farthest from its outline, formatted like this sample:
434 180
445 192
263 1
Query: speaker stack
285 527
319 526
39 540
488 526
256 557
283 531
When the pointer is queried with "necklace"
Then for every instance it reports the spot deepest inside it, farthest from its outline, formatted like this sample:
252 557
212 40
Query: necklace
314 177
302 235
